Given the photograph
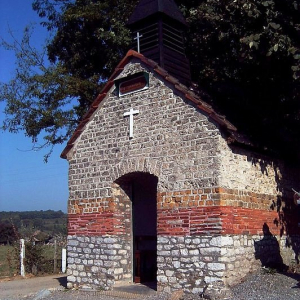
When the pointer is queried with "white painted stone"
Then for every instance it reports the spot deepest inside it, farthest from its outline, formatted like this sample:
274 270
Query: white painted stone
163 240
197 290
184 252
69 285
71 279
210 279
162 279
216 241
227 241
80 267
175 252
176 264
119 271
210 250
110 240
94 269
194 252
196 241
199 265
216 266
169 273
237 243
98 263
172 280
72 242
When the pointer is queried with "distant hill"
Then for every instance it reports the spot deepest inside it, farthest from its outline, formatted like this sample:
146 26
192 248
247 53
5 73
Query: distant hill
44 224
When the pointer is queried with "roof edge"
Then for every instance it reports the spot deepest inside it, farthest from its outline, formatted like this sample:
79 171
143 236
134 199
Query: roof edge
179 87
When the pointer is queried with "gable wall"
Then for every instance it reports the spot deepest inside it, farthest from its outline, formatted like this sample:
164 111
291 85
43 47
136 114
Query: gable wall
173 141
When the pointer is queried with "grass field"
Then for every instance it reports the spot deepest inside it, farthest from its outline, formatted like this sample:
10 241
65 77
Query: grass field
8 263
10 266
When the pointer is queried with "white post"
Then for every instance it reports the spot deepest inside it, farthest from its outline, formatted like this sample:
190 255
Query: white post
55 256
22 256
63 260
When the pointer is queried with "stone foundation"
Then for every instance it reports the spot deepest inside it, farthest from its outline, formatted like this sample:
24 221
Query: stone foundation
191 263
98 261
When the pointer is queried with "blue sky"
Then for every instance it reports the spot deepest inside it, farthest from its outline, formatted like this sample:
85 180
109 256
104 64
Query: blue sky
26 182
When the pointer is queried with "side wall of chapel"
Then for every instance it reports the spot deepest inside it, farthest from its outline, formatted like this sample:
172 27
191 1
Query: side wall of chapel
264 227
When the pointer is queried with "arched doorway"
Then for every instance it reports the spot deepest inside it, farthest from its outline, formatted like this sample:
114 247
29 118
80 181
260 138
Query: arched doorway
141 188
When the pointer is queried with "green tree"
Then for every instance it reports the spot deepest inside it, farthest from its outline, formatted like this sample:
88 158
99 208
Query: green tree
37 98
8 234
245 54
52 89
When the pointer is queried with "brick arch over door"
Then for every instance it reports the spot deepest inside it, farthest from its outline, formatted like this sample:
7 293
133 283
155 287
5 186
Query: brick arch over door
133 166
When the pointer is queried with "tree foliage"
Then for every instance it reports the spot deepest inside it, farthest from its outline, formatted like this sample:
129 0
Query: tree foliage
37 98
52 89
244 53
27 223
8 234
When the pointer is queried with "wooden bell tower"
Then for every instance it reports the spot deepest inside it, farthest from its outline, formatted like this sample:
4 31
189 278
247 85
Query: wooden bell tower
158 28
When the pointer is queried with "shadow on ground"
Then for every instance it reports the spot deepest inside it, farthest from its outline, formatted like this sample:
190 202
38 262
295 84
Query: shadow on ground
62 281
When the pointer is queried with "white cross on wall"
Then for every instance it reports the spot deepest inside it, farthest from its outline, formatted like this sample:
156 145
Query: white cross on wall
138 36
130 114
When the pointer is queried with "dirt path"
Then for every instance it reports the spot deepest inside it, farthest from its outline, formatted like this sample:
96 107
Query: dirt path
19 288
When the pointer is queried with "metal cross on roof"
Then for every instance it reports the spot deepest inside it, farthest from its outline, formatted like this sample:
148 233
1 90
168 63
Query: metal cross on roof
138 36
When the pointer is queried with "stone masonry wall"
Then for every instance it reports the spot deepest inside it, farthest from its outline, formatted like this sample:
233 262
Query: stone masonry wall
195 263
189 263
98 261
251 172
172 140
206 191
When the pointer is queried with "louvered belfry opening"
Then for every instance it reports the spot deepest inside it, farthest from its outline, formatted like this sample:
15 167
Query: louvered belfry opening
161 26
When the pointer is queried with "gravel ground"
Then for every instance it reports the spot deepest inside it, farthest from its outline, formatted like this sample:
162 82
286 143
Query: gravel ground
261 285
268 286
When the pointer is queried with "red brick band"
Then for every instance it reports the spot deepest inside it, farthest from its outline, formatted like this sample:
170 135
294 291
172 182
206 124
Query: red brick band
216 220
190 221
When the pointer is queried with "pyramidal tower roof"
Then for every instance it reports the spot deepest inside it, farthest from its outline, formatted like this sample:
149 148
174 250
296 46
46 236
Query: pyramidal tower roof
147 8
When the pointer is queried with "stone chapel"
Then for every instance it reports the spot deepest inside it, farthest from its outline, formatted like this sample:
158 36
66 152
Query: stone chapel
163 189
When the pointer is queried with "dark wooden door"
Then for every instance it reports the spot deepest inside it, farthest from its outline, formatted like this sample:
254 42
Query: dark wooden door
144 218
145 259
